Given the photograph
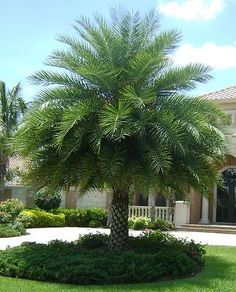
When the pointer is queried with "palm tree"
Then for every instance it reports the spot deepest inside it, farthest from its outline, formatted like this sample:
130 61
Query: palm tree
115 115
12 106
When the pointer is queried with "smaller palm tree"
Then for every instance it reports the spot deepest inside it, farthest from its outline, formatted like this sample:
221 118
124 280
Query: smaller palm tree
12 107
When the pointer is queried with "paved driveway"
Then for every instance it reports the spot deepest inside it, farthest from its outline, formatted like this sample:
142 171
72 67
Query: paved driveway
43 235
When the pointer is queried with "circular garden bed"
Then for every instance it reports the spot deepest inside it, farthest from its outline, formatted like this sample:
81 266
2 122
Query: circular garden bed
148 258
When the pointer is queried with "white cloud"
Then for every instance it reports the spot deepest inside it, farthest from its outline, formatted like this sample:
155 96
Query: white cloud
192 9
218 57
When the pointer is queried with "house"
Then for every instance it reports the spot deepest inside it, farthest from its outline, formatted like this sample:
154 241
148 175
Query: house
220 209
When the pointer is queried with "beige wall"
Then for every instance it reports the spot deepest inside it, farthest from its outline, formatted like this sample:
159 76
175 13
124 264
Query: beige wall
98 199
21 193
92 199
195 206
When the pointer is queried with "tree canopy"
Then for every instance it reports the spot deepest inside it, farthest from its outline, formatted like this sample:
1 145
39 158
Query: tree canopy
115 114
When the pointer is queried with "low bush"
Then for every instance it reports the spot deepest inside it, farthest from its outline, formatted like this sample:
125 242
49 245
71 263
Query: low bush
150 257
93 241
42 219
160 224
9 224
98 214
47 200
10 231
138 223
94 223
141 223
9 210
94 217
75 217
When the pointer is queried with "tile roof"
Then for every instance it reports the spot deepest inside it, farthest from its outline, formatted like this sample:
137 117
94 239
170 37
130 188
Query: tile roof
223 94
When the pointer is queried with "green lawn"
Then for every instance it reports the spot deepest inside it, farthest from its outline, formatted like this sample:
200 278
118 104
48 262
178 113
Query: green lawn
219 275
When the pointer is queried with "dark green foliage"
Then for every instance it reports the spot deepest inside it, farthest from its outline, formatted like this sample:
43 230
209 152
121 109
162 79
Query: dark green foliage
94 223
160 224
47 200
36 218
88 261
93 241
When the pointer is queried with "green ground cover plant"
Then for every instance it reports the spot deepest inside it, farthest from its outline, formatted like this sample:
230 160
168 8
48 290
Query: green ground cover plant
218 275
149 257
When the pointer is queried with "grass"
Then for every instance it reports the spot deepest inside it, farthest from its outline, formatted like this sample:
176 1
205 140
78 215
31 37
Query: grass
218 275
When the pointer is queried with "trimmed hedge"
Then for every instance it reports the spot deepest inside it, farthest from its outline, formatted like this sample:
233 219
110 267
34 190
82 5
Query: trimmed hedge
94 217
150 257
65 217
43 218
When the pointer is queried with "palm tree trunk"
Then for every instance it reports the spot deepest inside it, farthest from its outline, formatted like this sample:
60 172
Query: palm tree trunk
2 179
119 220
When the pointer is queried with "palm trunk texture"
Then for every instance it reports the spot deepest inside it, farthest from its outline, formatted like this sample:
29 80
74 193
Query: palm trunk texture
119 222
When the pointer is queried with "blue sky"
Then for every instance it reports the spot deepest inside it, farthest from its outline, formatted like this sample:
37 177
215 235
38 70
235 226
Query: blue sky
28 30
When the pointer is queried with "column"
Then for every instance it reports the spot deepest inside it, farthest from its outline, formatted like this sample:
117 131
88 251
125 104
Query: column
205 206
151 203
182 213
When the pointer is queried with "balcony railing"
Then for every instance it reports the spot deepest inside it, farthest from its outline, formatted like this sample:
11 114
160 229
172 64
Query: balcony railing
164 213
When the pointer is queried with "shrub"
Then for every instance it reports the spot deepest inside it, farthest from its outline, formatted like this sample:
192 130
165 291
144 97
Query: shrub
161 225
8 231
89 261
5 217
75 217
99 215
83 217
18 226
47 200
94 223
24 219
43 219
9 210
91 241
139 223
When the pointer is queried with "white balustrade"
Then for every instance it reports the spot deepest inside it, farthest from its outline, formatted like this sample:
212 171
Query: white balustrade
139 211
165 213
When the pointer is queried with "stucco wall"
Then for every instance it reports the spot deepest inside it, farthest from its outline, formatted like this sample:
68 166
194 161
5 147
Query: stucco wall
195 206
21 193
92 199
